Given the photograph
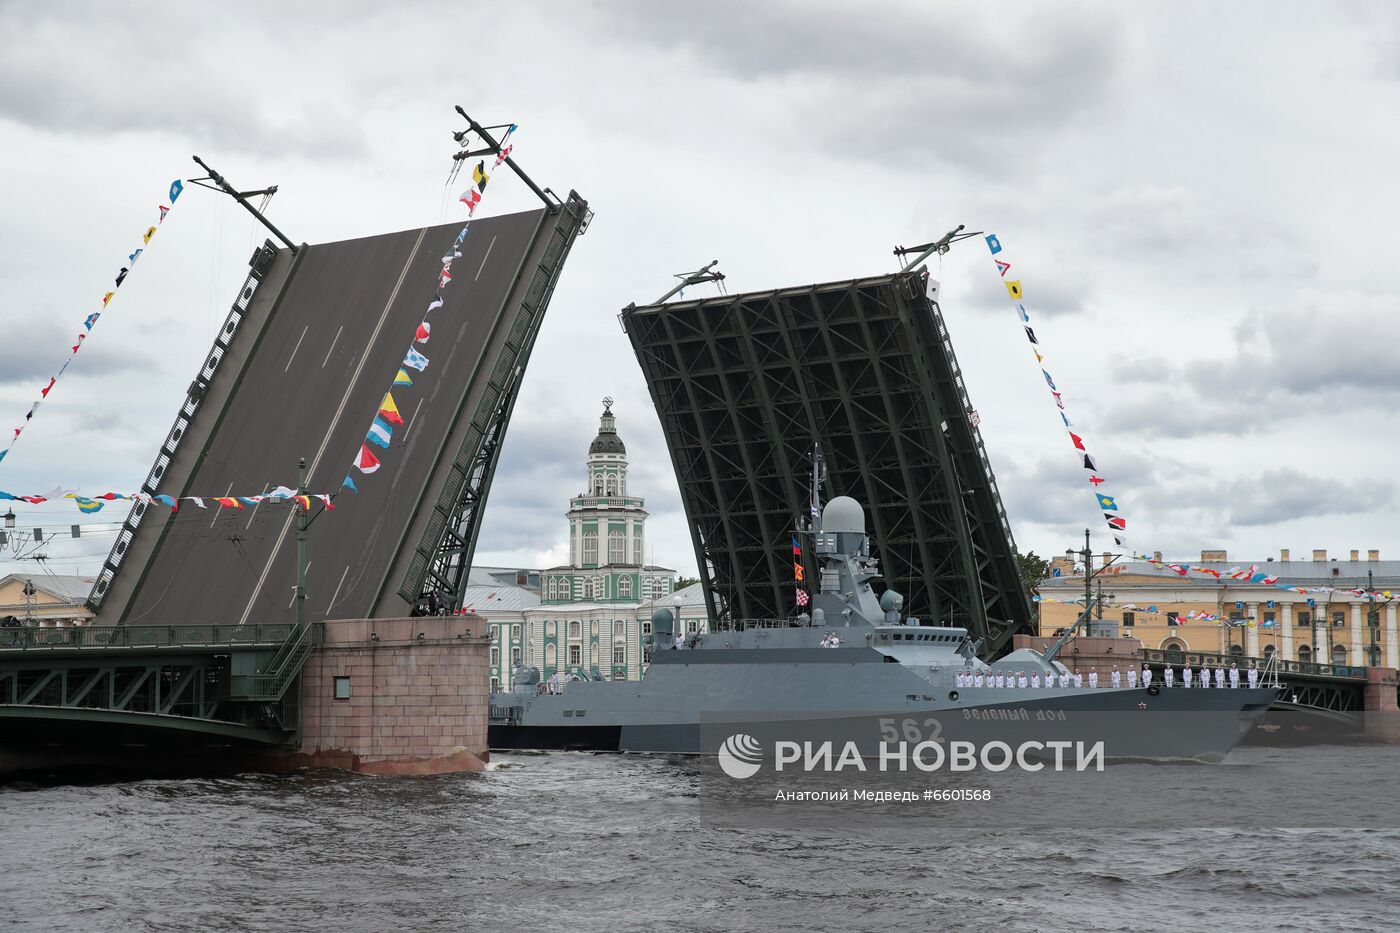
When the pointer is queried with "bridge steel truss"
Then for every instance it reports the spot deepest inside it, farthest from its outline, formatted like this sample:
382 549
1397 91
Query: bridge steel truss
443 554
746 384
191 679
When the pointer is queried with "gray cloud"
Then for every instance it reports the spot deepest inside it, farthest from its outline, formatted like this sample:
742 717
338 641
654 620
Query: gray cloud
133 71
46 345
908 82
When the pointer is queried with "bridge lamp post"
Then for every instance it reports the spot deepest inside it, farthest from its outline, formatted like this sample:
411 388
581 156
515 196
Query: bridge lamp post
1373 619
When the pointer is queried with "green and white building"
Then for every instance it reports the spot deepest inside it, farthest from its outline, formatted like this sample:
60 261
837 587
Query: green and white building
592 616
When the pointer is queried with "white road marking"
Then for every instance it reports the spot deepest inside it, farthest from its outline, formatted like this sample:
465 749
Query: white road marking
483 259
294 586
254 514
296 348
343 574
337 337
330 430
411 417
220 513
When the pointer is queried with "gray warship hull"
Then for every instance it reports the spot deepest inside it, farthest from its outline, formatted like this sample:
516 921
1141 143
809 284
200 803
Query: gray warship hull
875 678
692 700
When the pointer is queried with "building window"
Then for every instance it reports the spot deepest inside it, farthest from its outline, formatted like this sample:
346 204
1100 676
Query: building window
624 587
1339 619
692 625
515 656
646 628
549 629
495 685
620 655
553 588
515 633
1173 619
550 653
639 555
1128 619
1339 654
575 653
590 548
597 484
575 629
593 655
1268 651
342 688
612 484
495 656
1304 653
617 547
1304 619
1269 618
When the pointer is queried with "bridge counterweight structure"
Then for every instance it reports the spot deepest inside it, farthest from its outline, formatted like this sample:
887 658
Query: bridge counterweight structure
746 384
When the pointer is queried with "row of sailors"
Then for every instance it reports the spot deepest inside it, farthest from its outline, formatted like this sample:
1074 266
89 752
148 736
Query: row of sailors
1066 679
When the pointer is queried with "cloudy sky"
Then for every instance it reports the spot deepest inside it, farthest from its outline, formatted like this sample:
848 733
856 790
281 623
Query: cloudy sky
1197 197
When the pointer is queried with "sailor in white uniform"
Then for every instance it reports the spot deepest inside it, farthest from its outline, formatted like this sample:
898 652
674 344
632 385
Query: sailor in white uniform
1253 675
978 680
1064 679
1234 676
1115 678
1132 678
1186 675
1205 677
1035 678
1050 678
1001 680
1169 675
1220 678
1021 679
1146 676
1094 678
1078 680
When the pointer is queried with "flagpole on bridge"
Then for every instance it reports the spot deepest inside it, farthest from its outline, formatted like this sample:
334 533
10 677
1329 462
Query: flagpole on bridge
301 546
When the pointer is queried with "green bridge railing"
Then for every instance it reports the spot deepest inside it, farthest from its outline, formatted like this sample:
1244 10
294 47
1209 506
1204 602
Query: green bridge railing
33 638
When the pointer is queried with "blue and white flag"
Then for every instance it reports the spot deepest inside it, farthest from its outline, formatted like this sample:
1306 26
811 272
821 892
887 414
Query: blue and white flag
415 360
380 433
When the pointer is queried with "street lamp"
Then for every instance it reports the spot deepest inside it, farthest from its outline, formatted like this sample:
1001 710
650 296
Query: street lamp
10 519
1373 619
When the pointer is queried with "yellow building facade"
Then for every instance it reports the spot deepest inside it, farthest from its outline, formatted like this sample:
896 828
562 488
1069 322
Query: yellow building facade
45 599
1156 606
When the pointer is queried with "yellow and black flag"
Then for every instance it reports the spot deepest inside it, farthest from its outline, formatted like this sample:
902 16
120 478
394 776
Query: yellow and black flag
479 176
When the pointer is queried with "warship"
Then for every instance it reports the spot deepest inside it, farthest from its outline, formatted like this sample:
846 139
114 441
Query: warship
858 668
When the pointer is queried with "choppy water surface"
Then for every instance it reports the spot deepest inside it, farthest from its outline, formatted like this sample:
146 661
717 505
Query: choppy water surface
582 842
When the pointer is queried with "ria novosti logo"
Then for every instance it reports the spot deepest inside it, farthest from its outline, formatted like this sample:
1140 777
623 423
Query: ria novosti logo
740 756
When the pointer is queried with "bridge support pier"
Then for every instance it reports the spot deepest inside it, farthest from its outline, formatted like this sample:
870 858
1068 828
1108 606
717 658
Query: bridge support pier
396 696
1382 712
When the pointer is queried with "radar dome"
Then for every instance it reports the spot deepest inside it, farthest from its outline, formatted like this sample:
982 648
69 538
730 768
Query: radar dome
843 514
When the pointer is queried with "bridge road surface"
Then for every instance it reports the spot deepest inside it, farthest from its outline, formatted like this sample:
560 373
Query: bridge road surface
327 356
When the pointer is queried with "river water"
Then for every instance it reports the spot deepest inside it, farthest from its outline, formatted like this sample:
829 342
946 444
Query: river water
579 842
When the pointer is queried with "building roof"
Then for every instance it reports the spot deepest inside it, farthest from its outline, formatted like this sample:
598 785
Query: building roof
606 567
498 598
1345 574
65 587
492 576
